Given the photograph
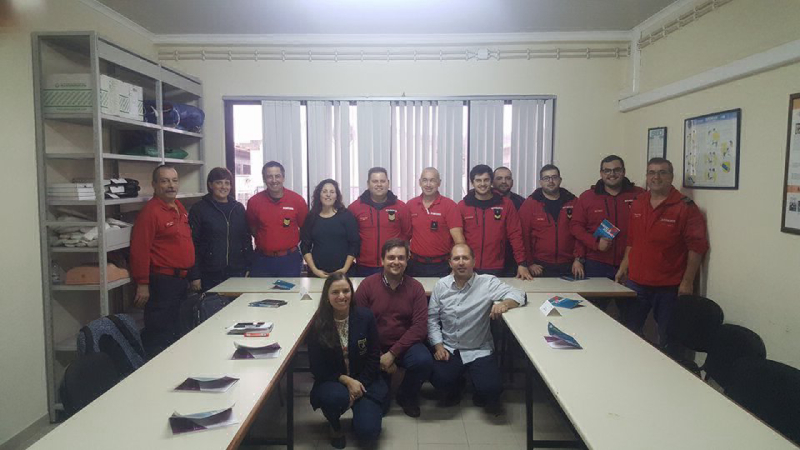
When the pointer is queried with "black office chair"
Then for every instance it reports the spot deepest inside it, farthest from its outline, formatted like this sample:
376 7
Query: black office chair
769 390
692 327
731 343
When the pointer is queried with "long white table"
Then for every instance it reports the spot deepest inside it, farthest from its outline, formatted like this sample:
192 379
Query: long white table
621 393
593 287
134 413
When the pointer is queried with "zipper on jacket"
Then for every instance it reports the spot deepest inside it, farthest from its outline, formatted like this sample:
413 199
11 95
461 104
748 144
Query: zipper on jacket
378 242
483 233
227 234
614 242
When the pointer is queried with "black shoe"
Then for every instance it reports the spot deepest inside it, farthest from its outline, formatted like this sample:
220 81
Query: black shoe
339 442
410 408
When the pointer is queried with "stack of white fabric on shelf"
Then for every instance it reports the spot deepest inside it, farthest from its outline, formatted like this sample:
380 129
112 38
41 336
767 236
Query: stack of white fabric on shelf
71 236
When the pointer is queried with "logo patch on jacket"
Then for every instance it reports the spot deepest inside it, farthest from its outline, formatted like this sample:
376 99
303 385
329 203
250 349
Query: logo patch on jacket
286 221
362 346
629 202
392 214
498 213
569 212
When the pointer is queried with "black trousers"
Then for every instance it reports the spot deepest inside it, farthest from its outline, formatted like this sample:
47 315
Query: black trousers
161 313
421 269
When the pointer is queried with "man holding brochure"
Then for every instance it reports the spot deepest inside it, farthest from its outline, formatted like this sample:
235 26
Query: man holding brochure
608 200
461 306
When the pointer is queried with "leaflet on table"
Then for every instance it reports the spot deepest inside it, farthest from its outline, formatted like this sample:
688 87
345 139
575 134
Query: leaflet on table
559 339
282 285
268 303
572 278
207 384
256 351
606 230
250 327
563 302
184 423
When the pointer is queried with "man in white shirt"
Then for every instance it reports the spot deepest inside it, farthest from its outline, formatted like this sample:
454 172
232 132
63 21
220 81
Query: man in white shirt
458 329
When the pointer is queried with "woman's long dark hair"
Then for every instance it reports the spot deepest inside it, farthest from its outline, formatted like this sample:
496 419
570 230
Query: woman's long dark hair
316 203
324 326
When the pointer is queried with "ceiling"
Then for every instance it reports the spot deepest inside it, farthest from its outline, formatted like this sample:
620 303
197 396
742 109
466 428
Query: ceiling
382 17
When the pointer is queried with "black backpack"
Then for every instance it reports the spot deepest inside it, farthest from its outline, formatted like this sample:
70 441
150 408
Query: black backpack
197 308
85 379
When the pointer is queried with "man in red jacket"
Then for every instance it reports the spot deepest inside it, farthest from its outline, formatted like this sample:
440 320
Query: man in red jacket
380 216
162 261
666 243
545 217
609 199
401 312
275 217
490 223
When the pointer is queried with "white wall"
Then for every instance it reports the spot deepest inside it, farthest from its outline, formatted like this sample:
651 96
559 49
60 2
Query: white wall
751 265
23 389
588 125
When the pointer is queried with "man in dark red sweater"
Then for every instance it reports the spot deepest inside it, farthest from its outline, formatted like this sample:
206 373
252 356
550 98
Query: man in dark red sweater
275 217
162 261
401 311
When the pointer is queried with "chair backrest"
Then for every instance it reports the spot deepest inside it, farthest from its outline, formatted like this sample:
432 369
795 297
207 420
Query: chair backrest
731 343
115 335
694 322
771 391
85 379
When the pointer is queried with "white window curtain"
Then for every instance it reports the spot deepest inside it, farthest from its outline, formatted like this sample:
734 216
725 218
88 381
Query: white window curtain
486 132
413 134
531 141
283 140
329 145
374 137
451 157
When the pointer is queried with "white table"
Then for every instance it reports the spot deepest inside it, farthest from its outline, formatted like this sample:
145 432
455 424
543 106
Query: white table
621 393
593 287
134 413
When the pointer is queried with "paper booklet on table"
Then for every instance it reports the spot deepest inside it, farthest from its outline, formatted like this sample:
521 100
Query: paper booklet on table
563 302
184 423
249 327
560 340
207 384
606 230
268 303
282 285
256 351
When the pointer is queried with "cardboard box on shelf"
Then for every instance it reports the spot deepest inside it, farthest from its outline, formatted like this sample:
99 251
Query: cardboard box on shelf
67 93
109 95
137 102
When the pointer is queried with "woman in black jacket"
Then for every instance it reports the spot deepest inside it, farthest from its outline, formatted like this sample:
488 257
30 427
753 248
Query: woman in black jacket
344 353
222 242
329 240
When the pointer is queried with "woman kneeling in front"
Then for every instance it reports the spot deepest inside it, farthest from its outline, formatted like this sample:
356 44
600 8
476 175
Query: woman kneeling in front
344 353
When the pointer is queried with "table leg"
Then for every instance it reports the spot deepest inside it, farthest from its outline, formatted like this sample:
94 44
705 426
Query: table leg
529 405
290 408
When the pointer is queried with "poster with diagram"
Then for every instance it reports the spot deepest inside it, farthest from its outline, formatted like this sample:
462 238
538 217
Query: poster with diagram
791 193
711 151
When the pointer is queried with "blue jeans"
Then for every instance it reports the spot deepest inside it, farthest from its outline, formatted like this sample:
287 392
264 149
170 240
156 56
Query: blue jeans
660 298
418 362
421 269
485 374
334 399
365 271
276 266
595 269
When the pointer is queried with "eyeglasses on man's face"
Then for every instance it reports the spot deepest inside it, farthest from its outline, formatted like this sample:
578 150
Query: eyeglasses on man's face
550 178
661 173
615 171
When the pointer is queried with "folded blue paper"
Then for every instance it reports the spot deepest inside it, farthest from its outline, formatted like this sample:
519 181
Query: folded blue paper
282 285
559 339
563 302
606 230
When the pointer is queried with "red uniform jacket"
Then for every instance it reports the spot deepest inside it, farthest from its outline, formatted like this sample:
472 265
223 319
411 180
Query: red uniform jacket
592 207
547 240
660 239
276 223
161 237
377 223
488 226
430 228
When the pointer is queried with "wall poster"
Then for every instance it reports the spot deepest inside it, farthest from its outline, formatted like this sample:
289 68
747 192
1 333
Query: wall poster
711 150
656 143
790 222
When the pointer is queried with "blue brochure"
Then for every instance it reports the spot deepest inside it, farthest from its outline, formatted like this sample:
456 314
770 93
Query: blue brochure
606 230
563 302
559 339
282 285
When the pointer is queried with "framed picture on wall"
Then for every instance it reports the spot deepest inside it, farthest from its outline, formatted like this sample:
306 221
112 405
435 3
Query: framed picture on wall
790 219
711 150
656 143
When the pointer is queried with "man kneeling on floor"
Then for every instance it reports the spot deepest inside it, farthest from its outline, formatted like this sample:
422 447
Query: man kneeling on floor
458 328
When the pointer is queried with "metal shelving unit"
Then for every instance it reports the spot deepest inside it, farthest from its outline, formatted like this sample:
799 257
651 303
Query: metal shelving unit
87 145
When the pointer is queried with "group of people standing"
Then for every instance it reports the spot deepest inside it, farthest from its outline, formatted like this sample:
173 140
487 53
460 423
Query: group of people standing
491 232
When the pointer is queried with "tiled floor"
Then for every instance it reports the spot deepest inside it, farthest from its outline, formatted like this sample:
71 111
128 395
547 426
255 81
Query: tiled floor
461 427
